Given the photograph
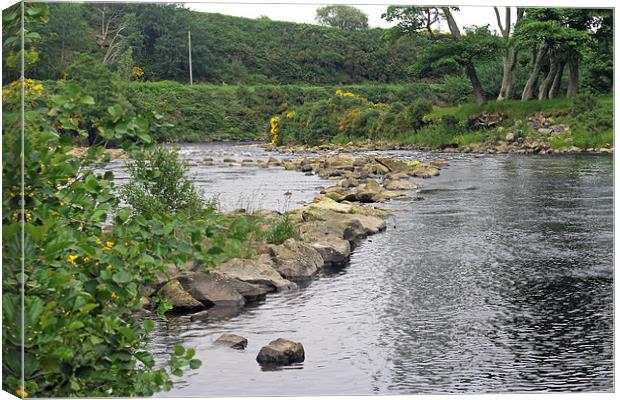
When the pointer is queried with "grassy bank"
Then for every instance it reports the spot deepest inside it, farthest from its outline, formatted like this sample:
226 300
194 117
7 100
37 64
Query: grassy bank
585 122
204 112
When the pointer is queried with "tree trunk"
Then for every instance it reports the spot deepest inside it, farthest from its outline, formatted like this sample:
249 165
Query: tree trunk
510 64
573 77
528 90
557 81
545 86
470 70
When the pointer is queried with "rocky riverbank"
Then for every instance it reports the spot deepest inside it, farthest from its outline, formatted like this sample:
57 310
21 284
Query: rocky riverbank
326 231
510 145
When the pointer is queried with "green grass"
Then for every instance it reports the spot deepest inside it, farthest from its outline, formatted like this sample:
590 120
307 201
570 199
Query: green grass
281 231
514 109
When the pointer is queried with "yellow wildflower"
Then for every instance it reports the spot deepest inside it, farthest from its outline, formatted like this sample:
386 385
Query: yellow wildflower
138 72
275 121
108 245
290 114
69 180
114 296
109 266
71 260
28 216
21 392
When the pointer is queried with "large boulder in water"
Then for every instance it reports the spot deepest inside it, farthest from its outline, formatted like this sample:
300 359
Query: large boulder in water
295 260
327 240
212 289
259 272
180 299
281 352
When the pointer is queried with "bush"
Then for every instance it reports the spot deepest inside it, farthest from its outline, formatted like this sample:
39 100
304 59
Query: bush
583 103
158 184
418 110
83 283
281 230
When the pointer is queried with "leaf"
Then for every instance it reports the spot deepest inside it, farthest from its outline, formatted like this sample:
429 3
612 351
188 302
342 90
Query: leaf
178 350
75 325
122 277
191 352
195 364
149 325
177 372
87 100
123 215
85 309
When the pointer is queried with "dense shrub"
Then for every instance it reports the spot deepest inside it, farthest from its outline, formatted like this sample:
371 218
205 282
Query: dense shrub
82 282
158 184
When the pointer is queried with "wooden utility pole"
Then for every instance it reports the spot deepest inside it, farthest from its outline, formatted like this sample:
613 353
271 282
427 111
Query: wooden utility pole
189 45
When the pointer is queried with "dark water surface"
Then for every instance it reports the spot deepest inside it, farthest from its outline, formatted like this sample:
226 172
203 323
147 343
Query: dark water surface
499 279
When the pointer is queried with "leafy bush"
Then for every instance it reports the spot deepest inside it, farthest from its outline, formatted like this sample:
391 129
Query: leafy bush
83 278
417 111
158 184
583 103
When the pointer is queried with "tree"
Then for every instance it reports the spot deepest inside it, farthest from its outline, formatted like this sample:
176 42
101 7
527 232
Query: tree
509 57
463 50
342 17
556 37
65 34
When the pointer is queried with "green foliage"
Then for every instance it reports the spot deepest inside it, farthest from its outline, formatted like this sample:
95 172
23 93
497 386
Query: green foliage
457 89
35 15
342 17
281 230
583 103
84 276
349 115
158 184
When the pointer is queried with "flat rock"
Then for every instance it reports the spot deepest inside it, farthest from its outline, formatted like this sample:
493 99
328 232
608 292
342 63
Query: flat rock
281 352
258 272
399 185
232 341
213 289
199 316
180 299
295 260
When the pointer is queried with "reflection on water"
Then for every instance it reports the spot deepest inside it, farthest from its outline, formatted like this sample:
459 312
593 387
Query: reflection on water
499 280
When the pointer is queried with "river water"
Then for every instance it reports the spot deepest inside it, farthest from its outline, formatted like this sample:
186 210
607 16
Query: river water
497 276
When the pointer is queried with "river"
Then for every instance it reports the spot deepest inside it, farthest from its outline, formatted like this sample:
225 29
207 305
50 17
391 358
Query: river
497 276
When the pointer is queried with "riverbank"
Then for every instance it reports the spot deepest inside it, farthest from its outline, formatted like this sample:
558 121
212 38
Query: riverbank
302 242
349 121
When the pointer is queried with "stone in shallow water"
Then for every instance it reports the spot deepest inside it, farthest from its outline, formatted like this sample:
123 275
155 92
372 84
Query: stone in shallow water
258 272
212 289
400 185
180 299
295 260
199 316
232 341
281 352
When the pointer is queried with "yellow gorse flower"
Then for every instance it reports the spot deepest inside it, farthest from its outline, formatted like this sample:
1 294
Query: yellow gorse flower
275 121
13 90
342 93
21 392
137 71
